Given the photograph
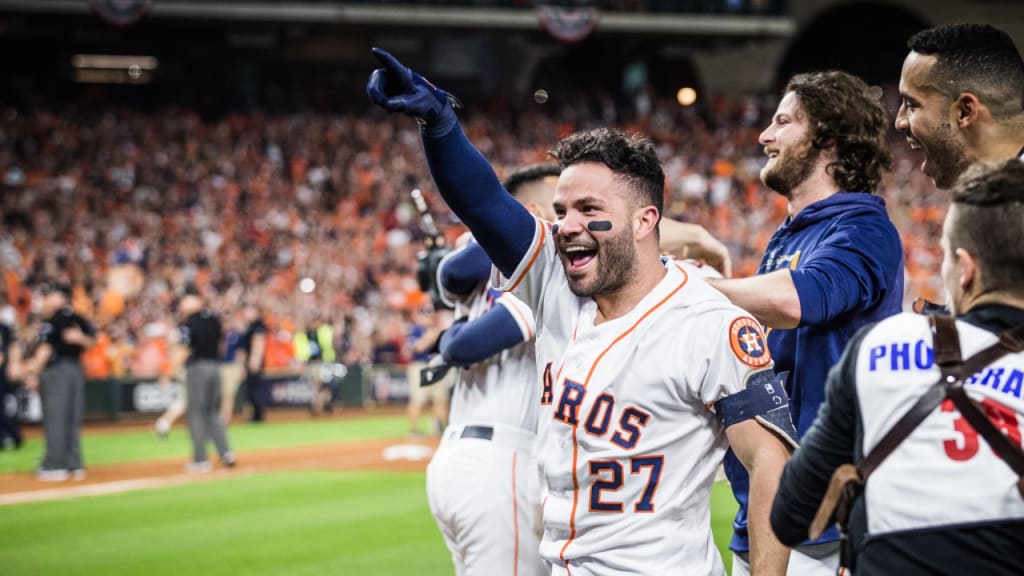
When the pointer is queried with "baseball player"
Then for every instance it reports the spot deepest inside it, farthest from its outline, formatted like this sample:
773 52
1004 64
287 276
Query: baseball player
942 502
650 371
492 427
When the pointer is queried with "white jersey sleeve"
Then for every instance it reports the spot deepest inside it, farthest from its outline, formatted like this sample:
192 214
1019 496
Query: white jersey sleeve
732 347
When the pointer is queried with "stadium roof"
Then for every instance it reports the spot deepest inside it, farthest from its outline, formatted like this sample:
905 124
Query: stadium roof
448 16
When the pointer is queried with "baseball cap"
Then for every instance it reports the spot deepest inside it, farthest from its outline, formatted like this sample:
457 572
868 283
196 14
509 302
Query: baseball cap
60 287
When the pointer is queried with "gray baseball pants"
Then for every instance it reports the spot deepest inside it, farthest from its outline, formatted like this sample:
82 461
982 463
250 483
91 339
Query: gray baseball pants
202 382
62 393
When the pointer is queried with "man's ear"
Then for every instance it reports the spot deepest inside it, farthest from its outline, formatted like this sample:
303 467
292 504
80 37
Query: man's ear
968 109
969 274
534 208
646 221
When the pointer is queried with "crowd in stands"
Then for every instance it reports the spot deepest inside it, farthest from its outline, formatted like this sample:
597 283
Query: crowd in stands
130 208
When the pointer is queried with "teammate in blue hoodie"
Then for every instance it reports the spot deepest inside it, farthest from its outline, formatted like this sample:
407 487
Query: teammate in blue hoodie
834 265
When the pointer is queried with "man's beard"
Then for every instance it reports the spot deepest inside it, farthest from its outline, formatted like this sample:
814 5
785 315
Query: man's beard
946 156
792 168
616 267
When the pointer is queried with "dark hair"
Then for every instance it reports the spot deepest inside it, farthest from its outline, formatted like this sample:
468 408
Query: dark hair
528 175
844 111
989 202
975 58
631 158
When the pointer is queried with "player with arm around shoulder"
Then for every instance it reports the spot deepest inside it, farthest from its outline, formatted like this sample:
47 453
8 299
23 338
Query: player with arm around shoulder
628 442
835 264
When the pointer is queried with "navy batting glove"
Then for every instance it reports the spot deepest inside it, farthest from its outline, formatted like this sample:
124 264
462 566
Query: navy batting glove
396 88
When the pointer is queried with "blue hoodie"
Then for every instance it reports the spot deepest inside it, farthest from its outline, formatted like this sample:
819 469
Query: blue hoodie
847 265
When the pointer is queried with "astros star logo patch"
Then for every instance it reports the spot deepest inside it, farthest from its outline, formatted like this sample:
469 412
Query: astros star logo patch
748 342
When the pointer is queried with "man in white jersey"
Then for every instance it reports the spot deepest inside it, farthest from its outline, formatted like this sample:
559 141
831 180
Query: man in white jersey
482 484
943 502
656 372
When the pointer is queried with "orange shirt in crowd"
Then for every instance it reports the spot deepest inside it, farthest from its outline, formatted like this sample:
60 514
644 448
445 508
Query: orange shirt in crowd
96 360
151 358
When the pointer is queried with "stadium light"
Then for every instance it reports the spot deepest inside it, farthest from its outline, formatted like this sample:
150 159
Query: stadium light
113 68
114 61
686 96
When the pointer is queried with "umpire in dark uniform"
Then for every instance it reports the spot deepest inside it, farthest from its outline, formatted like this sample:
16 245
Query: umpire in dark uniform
56 369
254 344
198 348
10 362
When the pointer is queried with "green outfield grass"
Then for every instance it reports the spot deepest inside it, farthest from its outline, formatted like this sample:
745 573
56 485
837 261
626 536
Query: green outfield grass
289 523
295 523
114 446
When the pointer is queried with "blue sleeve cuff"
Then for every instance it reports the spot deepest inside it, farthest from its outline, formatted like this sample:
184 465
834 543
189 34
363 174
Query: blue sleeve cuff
470 342
465 269
811 297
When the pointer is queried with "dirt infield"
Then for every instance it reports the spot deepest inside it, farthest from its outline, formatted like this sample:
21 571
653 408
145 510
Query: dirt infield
114 478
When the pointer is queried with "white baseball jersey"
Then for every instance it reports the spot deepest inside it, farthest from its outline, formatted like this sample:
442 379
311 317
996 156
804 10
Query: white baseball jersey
501 389
628 441
944 473
482 483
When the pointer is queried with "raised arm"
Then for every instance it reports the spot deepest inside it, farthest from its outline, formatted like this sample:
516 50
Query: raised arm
463 270
470 342
465 179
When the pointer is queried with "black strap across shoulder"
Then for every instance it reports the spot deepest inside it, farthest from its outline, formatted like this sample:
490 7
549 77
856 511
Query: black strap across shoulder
946 343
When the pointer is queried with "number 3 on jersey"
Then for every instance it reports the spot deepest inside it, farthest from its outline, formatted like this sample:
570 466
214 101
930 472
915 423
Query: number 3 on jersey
966 446
608 476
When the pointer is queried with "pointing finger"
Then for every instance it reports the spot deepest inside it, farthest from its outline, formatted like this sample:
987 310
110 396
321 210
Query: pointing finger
395 69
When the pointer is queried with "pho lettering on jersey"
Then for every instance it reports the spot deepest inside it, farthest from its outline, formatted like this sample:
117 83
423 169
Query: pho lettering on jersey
919 356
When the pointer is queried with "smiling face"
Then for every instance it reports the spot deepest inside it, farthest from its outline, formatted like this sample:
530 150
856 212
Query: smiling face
595 262
787 142
927 117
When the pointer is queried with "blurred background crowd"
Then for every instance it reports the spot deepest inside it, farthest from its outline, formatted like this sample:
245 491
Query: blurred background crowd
308 216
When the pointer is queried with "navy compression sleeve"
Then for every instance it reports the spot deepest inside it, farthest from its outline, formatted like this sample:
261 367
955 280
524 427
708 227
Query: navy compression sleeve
468 184
465 269
470 342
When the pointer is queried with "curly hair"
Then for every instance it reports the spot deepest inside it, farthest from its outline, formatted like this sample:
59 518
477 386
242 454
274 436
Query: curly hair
845 112
632 158
976 58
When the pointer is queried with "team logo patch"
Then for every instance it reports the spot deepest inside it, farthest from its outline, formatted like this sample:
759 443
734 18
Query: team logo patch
748 342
